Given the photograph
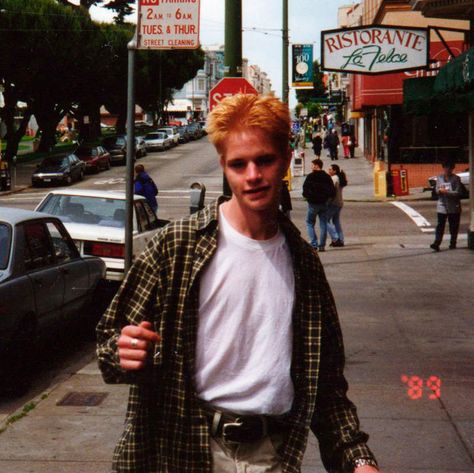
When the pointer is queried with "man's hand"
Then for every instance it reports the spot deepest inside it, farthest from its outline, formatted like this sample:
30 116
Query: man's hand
134 344
366 469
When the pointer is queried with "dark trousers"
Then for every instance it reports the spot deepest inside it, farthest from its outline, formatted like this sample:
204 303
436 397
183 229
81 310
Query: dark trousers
453 220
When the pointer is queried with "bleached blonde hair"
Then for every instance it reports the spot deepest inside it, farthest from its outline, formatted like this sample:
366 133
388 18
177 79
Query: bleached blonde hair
247 111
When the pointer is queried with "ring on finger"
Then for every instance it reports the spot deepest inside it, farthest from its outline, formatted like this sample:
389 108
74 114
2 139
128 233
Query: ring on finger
134 342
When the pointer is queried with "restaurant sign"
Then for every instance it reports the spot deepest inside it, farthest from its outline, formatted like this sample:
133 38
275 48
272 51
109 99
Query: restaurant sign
375 49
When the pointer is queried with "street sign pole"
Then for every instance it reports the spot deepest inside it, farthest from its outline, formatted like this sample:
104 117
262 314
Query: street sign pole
284 79
132 45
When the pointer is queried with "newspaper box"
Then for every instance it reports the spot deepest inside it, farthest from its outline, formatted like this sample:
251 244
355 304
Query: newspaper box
399 182
298 163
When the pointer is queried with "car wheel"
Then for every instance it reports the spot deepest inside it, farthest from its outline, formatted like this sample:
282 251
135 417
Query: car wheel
21 358
68 180
81 174
107 165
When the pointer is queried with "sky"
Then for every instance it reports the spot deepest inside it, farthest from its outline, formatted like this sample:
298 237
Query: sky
262 23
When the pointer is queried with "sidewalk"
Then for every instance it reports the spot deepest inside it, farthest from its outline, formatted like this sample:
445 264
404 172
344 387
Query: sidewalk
360 175
396 322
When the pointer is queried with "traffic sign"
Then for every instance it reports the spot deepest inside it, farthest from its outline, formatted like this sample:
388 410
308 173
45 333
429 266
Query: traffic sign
168 24
229 86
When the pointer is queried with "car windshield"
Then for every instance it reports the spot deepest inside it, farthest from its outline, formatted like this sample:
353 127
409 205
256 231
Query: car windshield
85 151
5 237
155 136
53 161
103 211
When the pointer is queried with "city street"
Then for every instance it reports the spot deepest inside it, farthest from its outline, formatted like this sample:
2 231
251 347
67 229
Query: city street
406 314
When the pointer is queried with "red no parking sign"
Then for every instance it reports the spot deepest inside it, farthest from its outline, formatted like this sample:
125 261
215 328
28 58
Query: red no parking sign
227 87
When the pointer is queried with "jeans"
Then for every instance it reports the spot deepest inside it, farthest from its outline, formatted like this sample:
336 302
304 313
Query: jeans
317 210
453 220
334 227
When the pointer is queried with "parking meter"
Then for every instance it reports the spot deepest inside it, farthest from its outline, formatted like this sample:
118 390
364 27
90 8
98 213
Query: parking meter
197 194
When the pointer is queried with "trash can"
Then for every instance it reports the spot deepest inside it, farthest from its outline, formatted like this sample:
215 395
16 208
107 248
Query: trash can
197 194
399 182
5 181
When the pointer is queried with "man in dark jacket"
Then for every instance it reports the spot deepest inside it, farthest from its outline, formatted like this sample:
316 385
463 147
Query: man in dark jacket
145 186
318 189
333 143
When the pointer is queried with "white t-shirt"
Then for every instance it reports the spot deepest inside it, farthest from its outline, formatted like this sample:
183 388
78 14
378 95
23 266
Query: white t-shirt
245 336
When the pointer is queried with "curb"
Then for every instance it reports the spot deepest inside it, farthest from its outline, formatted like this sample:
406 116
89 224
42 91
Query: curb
16 191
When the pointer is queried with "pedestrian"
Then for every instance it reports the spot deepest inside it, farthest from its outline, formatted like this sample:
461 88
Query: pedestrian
203 328
317 144
352 144
345 140
334 226
145 186
333 144
318 189
449 190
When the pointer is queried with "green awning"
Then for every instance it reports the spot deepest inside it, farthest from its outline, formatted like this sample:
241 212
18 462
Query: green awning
417 95
453 89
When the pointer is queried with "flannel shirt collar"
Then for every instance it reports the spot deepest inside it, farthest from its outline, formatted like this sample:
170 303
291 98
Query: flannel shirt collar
208 217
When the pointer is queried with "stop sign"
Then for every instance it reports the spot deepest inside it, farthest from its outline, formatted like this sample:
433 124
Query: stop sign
229 86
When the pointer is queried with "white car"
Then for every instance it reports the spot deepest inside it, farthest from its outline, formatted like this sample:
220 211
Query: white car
157 141
464 179
172 133
95 220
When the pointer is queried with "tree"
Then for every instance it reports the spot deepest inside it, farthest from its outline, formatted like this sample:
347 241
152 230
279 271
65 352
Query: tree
122 8
43 67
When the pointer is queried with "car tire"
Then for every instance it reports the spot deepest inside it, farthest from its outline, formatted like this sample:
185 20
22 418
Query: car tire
107 165
81 174
68 180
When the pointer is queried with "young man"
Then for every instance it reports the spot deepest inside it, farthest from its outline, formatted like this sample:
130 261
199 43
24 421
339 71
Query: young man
318 189
448 188
227 330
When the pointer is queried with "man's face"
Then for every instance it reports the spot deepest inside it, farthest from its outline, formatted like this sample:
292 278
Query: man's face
448 170
254 167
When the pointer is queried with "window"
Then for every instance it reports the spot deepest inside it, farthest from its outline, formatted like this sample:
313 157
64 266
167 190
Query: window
152 219
201 84
38 252
64 248
143 223
5 241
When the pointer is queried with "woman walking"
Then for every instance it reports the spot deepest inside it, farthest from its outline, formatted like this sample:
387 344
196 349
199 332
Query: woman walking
335 206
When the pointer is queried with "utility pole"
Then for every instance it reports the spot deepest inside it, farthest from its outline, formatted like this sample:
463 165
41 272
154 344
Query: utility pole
284 65
233 38
132 46
232 51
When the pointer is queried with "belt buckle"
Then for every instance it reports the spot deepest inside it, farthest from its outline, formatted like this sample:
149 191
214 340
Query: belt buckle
238 423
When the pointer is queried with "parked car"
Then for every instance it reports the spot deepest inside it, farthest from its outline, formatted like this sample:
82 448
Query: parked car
60 169
464 179
184 135
172 132
95 157
203 126
195 130
117 147
140 147
44 282
96 221
158 141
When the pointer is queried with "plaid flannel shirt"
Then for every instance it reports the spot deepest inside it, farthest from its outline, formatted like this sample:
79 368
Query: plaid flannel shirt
166 430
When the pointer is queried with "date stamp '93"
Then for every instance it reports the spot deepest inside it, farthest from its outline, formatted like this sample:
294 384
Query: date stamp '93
416 385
